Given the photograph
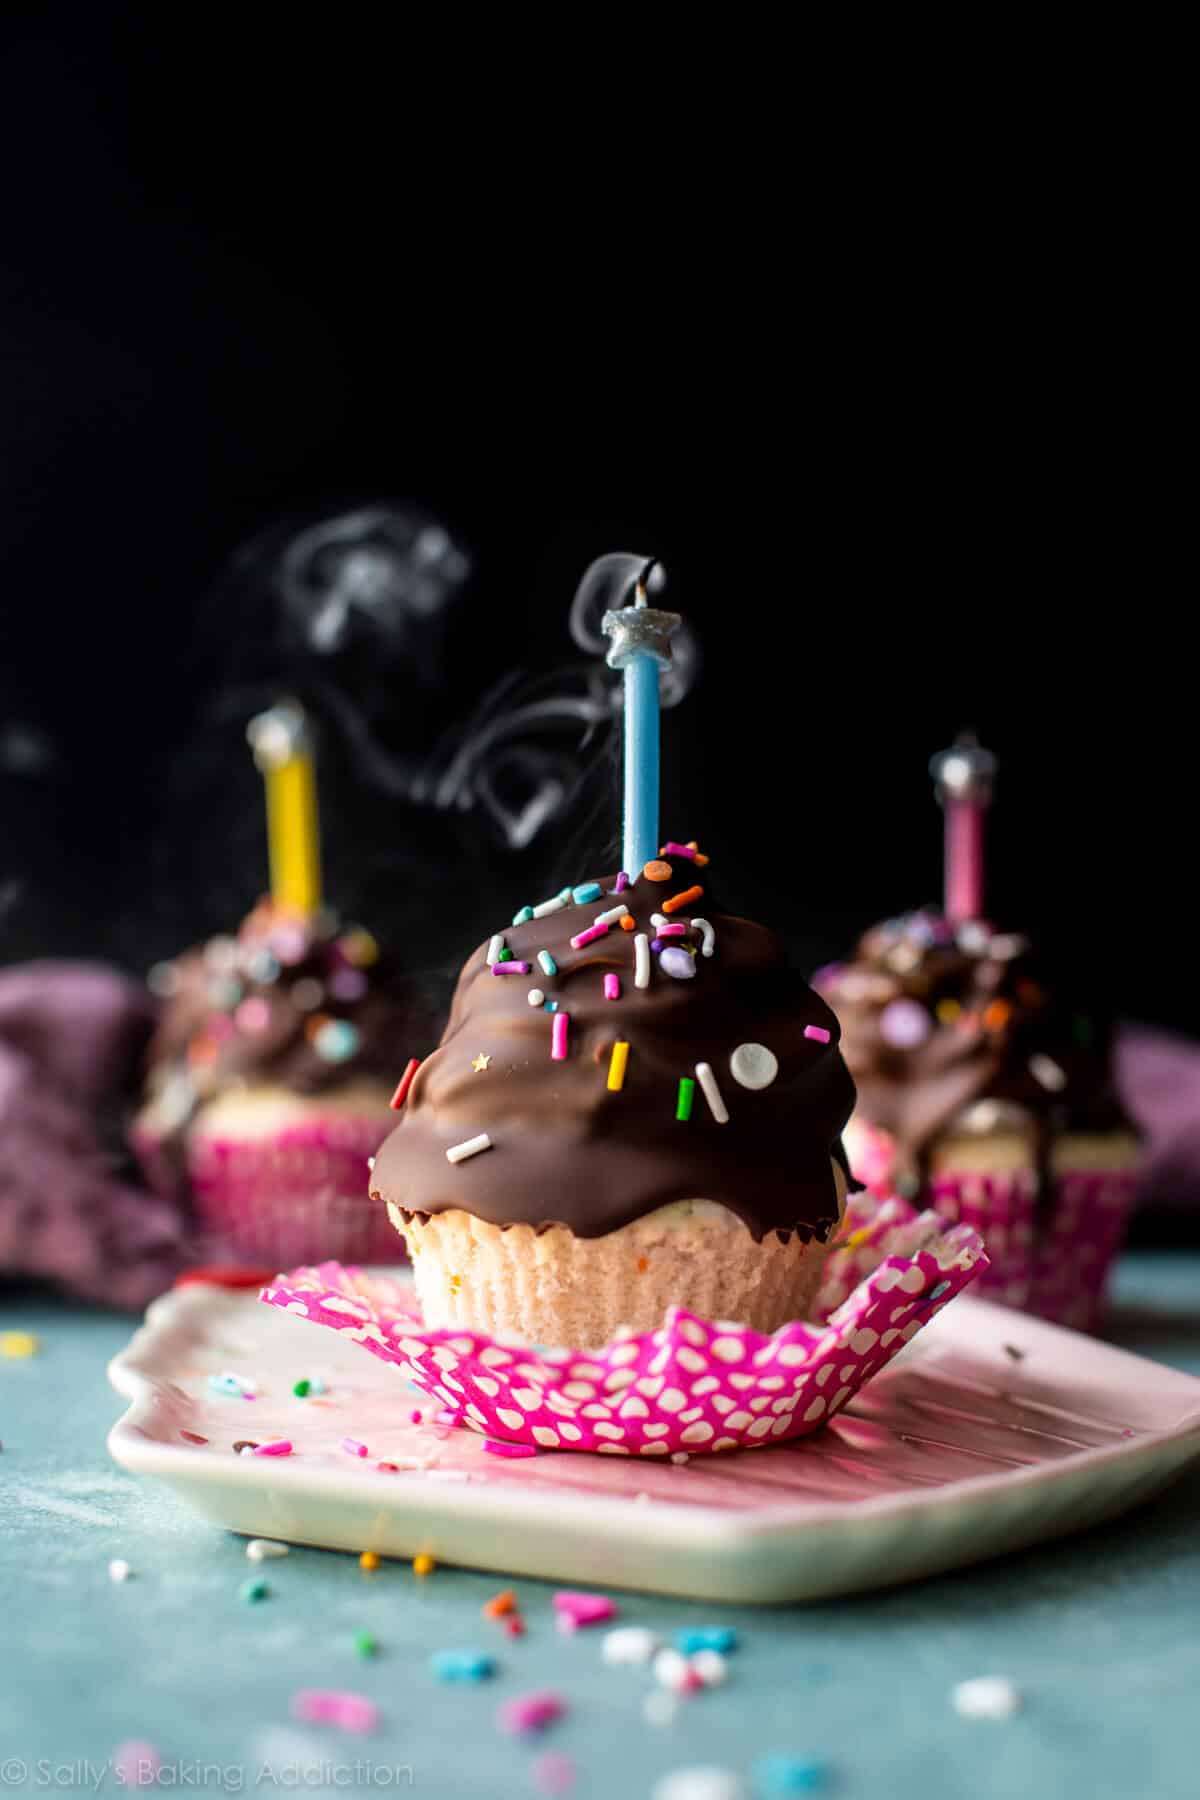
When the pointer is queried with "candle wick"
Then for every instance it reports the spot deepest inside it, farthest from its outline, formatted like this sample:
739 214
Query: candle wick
642 584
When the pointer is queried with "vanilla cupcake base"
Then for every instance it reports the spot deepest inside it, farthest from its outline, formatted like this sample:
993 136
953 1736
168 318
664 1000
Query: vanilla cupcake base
551 1287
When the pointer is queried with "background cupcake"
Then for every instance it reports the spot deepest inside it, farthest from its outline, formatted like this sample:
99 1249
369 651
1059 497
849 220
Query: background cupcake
269 1077
633 1105
982 1090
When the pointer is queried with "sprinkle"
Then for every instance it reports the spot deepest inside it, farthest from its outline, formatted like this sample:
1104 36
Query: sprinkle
553 1773
237 1385
406 1081
678 901
658 871
947 1011
558 1036
591 890
668 930
708 936
687 1095
510 968
423 1563
368 1561
753 1066
536 997
469 1147
263 1549
818 1033
589 936
710 1668
494 949
790 1775
278 1447
352 1447
629 1644
622 882
481 1062
136 1763
388 1468
302 1389
612 915
575 1609
119 1569
547 963
499 1604
497 1447
365 1644
686 850
244 1444
253 1590
700 1783
616 1067
523 917
347 984
306 994
515 1626
612 987
18 1344
986 1697
505 955
1047 1071
660 1708
253 1015
678 963
712 1093
358 947
641 961
706 1637
996 1015
548 906
628 923
530 1712
461 1665
325 1706
671 1671
658 920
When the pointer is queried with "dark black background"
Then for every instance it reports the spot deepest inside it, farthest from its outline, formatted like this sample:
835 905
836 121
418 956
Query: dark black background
887 424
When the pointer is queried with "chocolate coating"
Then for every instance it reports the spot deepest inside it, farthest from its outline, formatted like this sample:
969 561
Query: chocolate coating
568 1151
990 1022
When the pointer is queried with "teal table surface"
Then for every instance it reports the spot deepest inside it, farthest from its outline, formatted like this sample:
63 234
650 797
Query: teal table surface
1101 1634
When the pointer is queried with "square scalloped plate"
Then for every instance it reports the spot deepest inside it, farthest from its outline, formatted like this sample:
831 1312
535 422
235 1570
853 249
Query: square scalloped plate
991 1432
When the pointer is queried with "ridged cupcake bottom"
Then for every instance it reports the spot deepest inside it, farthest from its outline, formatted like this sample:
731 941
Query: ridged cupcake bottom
552 1287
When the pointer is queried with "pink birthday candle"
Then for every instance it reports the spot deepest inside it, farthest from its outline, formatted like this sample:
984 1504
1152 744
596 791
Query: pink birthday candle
963 776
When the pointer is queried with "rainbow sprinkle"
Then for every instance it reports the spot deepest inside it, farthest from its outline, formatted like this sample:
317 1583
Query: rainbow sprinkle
616 1067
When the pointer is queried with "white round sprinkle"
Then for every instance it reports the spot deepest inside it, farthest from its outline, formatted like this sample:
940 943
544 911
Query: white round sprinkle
259 1549
536 997
119 1569
700 1784
660 1708
671 1670
986 1697
753 1065
711 1667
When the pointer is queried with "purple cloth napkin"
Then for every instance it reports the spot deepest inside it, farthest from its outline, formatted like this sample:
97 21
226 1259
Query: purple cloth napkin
71 1041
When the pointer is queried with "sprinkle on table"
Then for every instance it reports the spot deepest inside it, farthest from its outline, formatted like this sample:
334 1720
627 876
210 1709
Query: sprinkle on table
986 1697
499 1604
706 1637
326 1706
263 1549
119 1570
530 1712
423 1563
405 1082
462 1665
18 1344
368 1561
575 1609
783 1775
278 1447
352 1447
254 1589
554 1773
365 1645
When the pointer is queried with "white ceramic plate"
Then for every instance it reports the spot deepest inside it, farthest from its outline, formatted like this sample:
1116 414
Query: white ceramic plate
991 1432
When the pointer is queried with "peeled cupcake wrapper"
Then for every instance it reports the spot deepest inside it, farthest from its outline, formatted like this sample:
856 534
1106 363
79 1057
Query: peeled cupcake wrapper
296 1196
695 1385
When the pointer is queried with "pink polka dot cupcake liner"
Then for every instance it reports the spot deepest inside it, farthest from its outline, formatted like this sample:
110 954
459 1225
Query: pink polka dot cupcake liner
1055 1261
298 1197
695 1386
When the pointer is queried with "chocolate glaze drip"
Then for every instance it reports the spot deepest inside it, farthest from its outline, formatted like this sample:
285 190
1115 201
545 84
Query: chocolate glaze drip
934 1021
568 1151
249 1012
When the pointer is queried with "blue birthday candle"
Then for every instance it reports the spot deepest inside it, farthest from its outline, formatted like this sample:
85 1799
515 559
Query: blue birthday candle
640 647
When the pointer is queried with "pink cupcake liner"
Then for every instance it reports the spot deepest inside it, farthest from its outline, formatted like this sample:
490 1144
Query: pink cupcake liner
1053 1261
300 1196
696 1386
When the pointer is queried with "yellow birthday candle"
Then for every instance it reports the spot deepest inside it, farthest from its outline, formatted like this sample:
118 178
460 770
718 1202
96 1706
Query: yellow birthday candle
283 751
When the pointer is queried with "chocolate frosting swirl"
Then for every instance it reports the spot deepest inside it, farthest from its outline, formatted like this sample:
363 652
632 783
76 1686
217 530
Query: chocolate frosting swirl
936 1020
567 1150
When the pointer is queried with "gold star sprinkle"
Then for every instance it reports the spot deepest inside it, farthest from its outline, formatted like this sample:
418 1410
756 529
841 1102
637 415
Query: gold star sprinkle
481 1063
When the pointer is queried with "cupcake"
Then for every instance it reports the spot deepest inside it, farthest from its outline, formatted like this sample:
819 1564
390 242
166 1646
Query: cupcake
983 1092
632 1106
268 1084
